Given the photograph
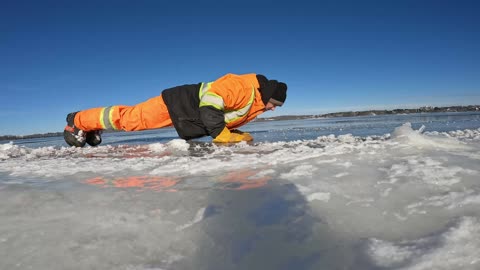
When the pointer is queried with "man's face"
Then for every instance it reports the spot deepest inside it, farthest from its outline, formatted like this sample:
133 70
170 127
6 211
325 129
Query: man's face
270 107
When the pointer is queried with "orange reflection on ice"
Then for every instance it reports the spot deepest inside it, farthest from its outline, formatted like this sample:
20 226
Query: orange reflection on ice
242 180
155 183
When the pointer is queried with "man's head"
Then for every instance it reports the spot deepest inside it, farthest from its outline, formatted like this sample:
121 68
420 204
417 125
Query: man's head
272 91
279 95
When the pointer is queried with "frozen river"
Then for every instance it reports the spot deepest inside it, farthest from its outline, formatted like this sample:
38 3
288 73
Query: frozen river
376 192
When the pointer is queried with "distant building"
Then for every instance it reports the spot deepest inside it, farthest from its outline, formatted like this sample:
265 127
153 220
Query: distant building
426 108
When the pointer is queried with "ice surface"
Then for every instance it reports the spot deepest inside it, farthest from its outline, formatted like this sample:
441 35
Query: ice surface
408 198
454 248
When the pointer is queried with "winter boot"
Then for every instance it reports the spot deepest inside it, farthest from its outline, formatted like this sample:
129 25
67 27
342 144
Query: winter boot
72 135
94 138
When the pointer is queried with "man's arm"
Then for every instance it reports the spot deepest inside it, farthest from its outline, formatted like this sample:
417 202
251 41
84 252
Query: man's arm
224 93
213 119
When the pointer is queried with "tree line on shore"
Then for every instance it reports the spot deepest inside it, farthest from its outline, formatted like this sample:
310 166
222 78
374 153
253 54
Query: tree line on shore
426 109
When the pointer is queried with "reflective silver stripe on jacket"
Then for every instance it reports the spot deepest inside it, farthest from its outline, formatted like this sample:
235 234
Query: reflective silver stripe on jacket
237 114
106 118
204 88
216 101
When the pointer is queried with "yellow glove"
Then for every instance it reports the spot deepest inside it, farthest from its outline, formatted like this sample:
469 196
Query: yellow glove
246 136
232 137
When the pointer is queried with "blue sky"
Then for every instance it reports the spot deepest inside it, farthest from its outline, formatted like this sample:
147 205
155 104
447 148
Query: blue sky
62 56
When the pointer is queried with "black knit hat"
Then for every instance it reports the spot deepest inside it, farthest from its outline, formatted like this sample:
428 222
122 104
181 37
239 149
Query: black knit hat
268 90
279 95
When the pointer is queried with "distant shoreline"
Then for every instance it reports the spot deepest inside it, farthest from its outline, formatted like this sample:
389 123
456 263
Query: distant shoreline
426 109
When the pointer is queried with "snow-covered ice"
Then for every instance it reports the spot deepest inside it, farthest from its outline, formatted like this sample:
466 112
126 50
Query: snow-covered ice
398 192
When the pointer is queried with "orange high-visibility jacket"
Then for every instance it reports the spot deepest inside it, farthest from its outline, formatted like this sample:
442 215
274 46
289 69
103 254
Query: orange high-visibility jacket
205 109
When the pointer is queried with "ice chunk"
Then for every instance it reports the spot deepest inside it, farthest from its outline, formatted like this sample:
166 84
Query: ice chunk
456 248
299 171
178 146
9 150
198 217
320 196
405 134
157 147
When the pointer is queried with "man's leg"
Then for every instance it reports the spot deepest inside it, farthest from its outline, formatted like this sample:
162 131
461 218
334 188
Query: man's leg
150 114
